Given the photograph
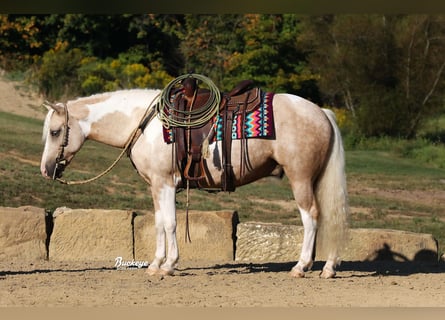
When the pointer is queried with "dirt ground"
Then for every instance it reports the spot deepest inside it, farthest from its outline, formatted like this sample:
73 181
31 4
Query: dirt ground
226 284
200 284
16 98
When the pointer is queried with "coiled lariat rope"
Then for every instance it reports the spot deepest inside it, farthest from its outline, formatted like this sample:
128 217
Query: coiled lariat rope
172 117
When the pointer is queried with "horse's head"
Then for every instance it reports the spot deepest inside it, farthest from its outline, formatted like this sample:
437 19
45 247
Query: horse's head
62 137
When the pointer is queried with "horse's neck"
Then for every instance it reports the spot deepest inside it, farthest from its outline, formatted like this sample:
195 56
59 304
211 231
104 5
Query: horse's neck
115 129
113 124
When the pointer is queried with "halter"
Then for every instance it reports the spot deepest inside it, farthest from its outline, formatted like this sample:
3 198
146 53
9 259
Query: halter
60 160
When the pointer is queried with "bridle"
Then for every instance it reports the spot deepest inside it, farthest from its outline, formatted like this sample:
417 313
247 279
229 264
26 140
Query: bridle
61 162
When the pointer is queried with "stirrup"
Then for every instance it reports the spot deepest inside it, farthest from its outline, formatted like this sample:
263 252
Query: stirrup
188 166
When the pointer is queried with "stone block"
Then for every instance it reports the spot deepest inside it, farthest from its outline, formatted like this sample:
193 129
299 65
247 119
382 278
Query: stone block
271 242
91 235
395 245
212 235
282 243
23 233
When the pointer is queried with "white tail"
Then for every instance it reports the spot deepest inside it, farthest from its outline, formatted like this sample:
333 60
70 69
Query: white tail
332 196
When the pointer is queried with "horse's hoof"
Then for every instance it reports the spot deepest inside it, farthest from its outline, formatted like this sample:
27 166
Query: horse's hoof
152 271
327 274
166 272
297 273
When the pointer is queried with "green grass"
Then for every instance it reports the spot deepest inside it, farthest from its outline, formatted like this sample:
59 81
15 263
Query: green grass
386 163
22 184
257 201
385 181
380 176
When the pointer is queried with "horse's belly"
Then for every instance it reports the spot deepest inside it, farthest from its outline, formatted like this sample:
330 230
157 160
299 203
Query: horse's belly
250 162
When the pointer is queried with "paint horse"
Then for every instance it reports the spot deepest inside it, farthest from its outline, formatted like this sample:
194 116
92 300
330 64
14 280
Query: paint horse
307 146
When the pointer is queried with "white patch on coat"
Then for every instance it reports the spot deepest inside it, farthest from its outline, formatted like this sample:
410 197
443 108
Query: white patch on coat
123 101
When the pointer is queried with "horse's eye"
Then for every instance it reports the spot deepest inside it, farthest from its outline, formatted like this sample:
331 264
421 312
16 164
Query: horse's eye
55 133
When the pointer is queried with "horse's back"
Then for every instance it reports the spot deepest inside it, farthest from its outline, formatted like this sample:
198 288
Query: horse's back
295 108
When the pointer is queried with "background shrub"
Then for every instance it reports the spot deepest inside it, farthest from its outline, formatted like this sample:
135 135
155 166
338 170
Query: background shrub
56 75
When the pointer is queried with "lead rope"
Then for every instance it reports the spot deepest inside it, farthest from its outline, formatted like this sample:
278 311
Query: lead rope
187 205
187 228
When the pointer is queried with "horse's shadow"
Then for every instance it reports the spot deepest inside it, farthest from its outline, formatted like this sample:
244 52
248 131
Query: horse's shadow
384 262
4 273
363 268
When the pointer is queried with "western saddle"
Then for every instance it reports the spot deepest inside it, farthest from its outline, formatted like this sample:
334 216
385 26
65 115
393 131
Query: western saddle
191 141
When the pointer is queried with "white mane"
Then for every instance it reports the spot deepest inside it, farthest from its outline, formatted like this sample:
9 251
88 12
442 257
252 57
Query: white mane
46 125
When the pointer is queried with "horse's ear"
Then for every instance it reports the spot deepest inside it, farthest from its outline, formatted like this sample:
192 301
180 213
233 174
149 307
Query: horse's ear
57 107
47 105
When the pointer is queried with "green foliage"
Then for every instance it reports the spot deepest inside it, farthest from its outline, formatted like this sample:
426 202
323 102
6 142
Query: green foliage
382 114
270 54
229 48
66 73
112 74
96 76
387 71
208 42
430 154
433 129
19 41
56 75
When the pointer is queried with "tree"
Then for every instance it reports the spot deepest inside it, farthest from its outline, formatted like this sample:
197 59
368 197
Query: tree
159 36
270 55
208 42
60 49
230 48
388 70
56 75
422 40
19 41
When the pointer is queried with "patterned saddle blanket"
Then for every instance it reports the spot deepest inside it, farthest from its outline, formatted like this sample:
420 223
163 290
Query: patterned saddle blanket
258 123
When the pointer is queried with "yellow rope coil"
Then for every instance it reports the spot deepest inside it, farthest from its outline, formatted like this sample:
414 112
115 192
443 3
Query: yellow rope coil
188 118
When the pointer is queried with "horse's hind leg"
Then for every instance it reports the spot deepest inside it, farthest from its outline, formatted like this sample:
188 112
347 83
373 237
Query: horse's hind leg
307 205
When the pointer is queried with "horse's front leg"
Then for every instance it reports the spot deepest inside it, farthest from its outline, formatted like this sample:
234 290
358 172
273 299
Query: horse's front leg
165 223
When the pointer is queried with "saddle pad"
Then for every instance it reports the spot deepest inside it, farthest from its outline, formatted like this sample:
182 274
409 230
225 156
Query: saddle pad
259 123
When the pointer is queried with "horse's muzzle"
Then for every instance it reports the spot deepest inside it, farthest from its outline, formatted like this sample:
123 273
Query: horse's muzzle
57 171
